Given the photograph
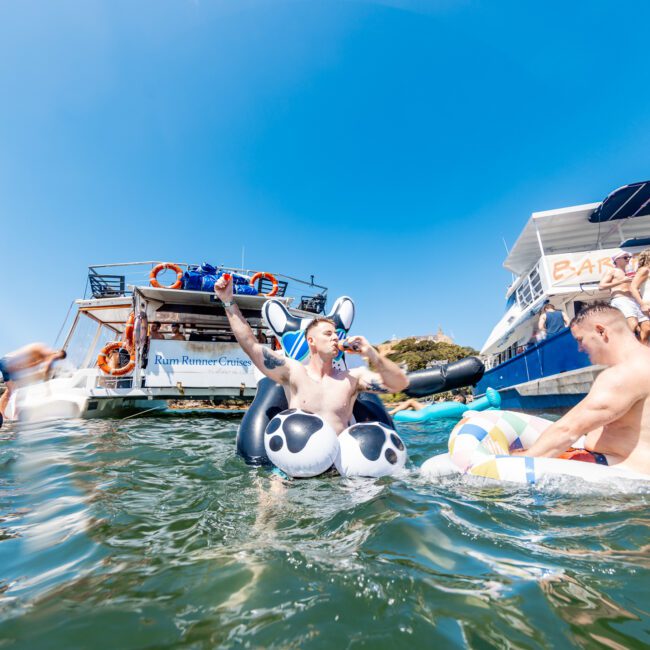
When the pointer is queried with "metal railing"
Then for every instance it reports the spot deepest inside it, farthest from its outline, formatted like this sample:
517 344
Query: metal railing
118 279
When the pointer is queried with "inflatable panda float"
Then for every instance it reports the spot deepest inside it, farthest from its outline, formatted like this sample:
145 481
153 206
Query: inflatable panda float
302 444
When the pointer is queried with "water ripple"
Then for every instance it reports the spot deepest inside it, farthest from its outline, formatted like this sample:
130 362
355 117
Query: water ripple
153 533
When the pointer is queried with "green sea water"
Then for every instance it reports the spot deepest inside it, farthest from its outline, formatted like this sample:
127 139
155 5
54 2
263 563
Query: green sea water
152 533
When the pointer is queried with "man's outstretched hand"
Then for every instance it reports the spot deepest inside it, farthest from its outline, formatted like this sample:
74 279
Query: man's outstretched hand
223 287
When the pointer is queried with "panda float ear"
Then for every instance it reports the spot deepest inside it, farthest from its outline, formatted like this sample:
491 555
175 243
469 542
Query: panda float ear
290 330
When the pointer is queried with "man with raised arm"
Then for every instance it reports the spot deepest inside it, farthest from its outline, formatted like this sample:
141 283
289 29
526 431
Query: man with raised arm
615 415
317 387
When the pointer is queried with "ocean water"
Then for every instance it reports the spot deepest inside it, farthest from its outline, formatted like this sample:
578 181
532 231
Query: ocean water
152 533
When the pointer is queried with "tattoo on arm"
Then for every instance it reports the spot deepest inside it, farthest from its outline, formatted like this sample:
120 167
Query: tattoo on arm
375 386
271 361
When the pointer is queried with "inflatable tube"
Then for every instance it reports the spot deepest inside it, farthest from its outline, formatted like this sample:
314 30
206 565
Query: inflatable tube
371 450
450 410
271 400
301 444
458 374
480 445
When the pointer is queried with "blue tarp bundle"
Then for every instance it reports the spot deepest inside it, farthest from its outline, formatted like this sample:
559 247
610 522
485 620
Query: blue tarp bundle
202 278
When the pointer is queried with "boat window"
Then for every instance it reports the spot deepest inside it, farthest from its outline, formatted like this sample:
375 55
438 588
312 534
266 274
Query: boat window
530 289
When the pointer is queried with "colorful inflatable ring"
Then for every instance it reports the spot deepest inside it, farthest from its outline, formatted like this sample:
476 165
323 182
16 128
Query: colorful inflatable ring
480 445
166 265
128 329
102 359
268 276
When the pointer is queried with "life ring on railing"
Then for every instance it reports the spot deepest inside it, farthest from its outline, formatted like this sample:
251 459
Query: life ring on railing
102 359
166 265
269 277
128 329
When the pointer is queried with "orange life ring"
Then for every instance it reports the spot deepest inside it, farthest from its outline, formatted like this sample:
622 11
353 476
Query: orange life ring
128 329
268 276
166 265
102 360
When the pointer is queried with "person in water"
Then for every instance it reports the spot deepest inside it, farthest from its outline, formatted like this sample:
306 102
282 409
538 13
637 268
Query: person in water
317 387
551 321
14 365
619 284
640 289
614 417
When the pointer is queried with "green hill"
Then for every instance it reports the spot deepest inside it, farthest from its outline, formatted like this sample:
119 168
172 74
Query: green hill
418 354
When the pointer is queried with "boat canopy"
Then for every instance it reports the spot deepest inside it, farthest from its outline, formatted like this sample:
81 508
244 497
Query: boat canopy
583 227
628 201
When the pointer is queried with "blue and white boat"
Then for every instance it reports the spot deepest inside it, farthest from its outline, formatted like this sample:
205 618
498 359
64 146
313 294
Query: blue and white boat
560 257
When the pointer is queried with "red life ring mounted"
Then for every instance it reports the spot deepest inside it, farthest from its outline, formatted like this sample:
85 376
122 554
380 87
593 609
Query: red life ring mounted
102 359
128 329
166 265
269 277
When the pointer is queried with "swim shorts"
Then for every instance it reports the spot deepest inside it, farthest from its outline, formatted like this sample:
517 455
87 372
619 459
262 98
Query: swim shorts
4 370
629 307
583 455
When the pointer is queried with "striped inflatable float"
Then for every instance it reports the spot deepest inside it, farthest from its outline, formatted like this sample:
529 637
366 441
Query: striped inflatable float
480 445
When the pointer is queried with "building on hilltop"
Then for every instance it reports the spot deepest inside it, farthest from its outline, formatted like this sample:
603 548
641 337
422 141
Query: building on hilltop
438 337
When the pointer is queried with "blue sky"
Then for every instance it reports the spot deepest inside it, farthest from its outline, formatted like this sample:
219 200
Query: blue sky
385 147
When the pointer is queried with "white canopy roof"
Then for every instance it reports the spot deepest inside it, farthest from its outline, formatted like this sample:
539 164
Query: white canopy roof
569 229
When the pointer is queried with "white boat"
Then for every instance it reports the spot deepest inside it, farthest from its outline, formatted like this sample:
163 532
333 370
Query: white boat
208 364
559 257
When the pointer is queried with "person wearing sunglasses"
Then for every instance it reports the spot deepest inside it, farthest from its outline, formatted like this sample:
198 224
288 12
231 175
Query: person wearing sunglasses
618 282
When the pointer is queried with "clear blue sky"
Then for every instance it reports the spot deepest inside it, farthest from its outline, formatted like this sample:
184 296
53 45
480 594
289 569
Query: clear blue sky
386 147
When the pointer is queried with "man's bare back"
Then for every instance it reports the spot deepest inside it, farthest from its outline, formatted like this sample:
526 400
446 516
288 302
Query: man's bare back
615 414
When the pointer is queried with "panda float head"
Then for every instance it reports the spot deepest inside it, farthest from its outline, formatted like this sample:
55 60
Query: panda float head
302 444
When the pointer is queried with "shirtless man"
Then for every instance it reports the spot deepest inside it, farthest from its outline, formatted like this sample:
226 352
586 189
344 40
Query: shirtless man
155 332
615 415
30 356
619 285
316 387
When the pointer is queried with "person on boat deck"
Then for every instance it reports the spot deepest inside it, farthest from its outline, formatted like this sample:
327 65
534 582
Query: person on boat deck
619 285
155 332
614 417
640 289
14 364
176 333
317 387
551 321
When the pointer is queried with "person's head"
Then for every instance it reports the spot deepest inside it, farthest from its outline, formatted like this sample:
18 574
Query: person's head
322 337
621 260
644 258
155 326
176 328
459 398
600 329
548 307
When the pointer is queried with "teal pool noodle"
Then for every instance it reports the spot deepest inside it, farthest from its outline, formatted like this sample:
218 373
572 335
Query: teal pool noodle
446 410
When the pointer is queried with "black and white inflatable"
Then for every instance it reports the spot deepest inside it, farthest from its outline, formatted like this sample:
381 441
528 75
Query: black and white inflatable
271 433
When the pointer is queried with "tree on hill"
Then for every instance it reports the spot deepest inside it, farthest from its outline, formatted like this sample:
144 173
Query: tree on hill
419 354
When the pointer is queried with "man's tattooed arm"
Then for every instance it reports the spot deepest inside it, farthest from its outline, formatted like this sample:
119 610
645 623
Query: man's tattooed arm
271 360
375 386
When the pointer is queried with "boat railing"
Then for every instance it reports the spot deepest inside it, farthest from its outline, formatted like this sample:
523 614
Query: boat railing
119 279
